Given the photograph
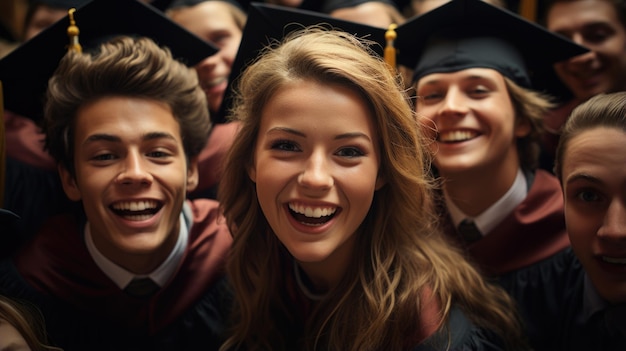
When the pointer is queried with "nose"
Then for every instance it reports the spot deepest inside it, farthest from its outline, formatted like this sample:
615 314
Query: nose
316 174
207 65
614 224
134 170
454 103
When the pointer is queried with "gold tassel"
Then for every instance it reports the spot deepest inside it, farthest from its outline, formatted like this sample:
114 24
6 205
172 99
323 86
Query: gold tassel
390 50
528 9
72 33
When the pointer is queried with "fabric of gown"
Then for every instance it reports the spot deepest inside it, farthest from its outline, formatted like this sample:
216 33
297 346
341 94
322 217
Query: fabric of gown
85 310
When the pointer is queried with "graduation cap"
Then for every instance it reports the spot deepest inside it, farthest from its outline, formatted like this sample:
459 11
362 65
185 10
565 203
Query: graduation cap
465 34
26 70
59 4
267 24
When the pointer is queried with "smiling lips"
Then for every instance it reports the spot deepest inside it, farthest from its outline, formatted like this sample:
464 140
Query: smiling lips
456 136
312 216
136 210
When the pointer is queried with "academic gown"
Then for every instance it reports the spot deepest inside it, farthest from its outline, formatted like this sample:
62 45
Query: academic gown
570 329
85 310
526 254
459 334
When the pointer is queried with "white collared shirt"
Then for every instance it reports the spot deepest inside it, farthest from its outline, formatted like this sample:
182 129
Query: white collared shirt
160 275
491 217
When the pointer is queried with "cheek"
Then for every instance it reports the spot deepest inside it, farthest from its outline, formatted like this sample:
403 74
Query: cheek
581 228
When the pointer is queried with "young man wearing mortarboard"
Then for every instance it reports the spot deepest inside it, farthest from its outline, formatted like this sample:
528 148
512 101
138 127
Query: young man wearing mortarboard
140 268
474 66
599 25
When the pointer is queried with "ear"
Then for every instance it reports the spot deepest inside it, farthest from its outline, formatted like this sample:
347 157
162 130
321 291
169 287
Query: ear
523 127
192 174
69 184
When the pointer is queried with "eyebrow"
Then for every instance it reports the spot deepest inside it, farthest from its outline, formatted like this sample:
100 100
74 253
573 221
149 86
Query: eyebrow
584 177
116 139
300 134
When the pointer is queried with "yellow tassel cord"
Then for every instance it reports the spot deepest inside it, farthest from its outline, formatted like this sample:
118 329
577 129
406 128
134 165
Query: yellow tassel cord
72 33
528 9
2 148
390 50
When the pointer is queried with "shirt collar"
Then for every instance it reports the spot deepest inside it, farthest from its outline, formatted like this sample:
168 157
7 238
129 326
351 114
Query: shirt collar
492 216
122 277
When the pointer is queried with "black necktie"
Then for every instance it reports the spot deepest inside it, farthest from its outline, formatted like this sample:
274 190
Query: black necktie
141 287
469 231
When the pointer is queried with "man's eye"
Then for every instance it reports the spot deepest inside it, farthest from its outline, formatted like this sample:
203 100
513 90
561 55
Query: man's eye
103 157
158 154
588 196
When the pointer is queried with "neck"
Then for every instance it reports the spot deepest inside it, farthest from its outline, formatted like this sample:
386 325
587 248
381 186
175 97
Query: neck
474 191
133 260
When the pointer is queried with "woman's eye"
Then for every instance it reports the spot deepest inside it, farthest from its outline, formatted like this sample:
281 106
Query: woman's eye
350 152
284 145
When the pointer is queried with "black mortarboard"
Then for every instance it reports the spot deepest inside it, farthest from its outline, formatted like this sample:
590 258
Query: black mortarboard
464 34
269 23
60 4
25 71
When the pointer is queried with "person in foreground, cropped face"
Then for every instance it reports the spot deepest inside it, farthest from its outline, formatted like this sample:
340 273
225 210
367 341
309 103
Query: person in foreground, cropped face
591 166
599 25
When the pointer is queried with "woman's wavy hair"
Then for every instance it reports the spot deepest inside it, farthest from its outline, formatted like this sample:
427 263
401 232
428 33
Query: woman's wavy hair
128 67
603 110
402 256
28 321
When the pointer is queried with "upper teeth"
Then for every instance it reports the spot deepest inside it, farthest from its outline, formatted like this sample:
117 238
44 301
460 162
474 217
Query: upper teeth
135 205
316 212
457 135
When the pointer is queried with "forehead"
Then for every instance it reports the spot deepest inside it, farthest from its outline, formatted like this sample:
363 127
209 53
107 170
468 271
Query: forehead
565 14
597 150
124 116
208 14
466 75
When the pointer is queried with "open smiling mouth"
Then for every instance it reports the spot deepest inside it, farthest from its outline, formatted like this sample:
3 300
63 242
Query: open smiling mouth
456 136
312 216
136 210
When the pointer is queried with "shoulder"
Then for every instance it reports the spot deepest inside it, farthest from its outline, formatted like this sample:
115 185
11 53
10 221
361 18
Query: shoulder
461 334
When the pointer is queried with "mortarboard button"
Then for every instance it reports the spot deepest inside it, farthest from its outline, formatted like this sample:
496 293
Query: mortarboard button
25 71
267 24
465 34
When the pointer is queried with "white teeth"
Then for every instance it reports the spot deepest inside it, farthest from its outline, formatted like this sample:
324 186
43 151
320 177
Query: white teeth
614 260
457 135
137 217
311 212
135 205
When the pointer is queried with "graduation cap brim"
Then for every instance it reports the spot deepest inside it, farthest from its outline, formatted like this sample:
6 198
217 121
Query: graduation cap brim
25 71
536 47
268 24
